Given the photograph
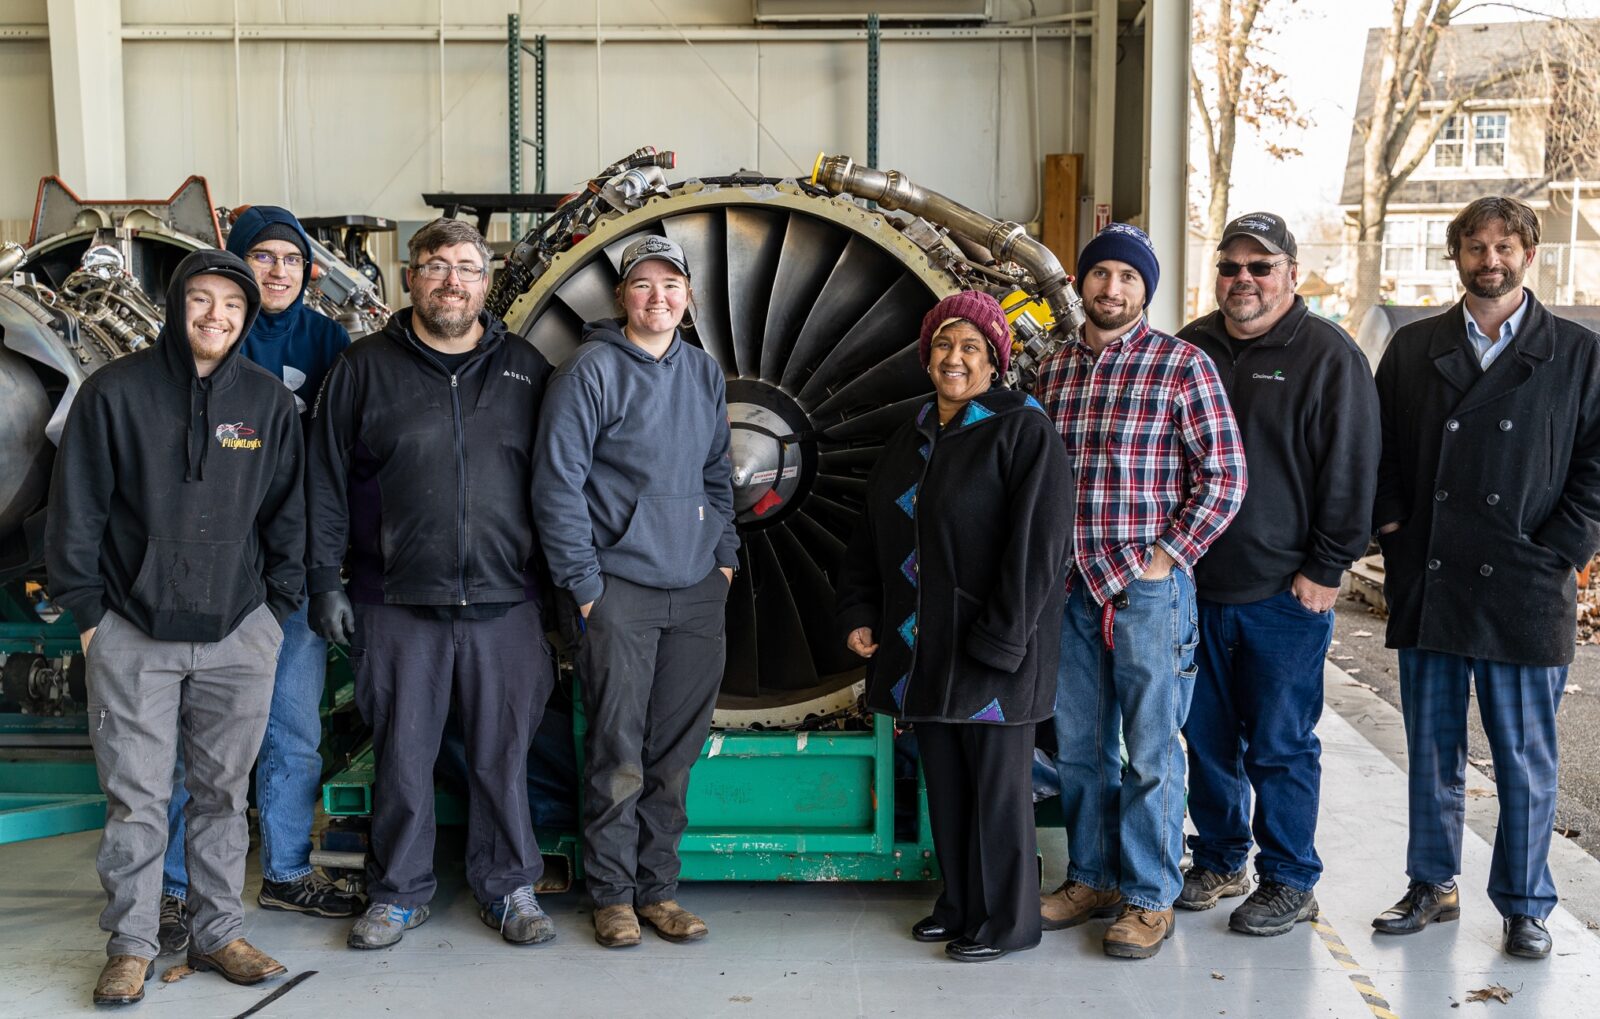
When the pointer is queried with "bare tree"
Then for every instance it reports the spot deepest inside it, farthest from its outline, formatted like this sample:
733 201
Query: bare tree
1230 82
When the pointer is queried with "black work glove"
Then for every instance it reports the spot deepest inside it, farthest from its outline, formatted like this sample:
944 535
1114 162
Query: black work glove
332 618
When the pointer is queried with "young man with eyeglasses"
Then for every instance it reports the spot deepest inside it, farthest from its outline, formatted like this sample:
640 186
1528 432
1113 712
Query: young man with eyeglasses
1307 409
420 484
296 345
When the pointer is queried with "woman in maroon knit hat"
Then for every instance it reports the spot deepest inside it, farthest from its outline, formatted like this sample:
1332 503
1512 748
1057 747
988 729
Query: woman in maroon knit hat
952 588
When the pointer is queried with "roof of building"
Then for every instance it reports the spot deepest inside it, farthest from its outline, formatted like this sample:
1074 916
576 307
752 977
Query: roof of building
1467 55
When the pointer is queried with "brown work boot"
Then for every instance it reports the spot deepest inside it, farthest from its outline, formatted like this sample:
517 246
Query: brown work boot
616 926
1075 902
1138 933
672 921
122 980
238 962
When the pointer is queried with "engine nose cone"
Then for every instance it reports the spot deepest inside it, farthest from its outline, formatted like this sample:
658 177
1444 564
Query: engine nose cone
774 456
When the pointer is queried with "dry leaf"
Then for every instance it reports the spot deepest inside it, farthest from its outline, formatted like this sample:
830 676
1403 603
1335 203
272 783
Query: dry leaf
1362 633
1493 992
1352 672
1344 658
1568 833
1364 686
1217 976
175 973
1480 792
1481 762
1591 925
1335 643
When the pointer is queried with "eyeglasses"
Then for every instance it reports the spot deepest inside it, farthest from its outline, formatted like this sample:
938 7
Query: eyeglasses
1228 270
466 272
267 260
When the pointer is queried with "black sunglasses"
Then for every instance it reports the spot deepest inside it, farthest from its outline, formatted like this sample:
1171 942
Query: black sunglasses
1228 270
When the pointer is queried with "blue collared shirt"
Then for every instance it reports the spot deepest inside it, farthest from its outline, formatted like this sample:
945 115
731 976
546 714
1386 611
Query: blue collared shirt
1487 349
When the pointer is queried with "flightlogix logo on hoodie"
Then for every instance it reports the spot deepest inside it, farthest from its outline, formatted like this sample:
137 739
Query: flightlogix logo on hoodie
237 436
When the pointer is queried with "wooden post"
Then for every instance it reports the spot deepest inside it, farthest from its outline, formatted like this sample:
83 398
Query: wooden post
1063 177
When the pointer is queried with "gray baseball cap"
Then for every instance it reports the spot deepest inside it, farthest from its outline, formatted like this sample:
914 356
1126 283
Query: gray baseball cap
1267 230
660 248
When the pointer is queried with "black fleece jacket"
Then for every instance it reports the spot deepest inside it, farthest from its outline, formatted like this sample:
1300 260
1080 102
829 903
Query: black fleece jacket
177 501
1308 413
423 475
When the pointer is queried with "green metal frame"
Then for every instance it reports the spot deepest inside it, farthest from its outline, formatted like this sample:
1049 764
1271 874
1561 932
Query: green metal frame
763 806
515 48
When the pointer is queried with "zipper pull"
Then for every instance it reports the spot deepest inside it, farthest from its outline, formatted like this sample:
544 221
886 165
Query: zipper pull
102 724
452 382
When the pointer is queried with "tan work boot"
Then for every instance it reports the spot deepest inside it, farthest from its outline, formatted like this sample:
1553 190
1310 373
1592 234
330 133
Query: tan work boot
616 926
672 921
1138 933
238 962
1075 902
122 980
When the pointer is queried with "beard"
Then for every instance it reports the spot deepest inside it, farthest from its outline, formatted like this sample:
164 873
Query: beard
444 322
1112 321
1245 305
1510 279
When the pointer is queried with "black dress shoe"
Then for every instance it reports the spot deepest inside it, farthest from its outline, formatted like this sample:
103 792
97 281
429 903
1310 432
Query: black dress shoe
967 950
1527 937
929 929
1423 904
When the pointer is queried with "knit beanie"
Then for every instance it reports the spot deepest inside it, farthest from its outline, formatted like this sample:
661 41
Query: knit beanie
977 308
1121 242
281 232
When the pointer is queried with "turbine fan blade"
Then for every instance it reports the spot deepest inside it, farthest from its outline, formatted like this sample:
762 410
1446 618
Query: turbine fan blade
755 242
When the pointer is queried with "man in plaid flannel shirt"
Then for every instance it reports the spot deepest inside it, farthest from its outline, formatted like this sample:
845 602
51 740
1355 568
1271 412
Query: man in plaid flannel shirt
1160 472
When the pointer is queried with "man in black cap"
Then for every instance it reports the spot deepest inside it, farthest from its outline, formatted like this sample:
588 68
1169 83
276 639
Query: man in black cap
1303 396
177 540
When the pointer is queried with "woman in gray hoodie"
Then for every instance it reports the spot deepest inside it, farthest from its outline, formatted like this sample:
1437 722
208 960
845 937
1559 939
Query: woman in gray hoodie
633 499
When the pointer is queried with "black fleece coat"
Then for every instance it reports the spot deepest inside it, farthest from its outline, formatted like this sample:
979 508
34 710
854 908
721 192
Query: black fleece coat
1494 477
177 501
959 565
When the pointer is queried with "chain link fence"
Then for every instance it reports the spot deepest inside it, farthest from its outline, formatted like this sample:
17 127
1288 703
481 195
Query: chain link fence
1409 269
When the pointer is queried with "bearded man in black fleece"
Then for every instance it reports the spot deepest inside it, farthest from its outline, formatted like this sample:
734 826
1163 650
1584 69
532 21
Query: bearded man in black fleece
177 540
1307 409
420 482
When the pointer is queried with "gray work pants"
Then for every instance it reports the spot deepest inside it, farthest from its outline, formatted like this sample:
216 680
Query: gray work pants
650 666
145 695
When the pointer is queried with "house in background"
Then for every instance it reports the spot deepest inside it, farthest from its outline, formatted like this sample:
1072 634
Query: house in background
1498 144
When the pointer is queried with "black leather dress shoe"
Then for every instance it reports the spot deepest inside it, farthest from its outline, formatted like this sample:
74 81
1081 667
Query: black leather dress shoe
929 929
1423 904
967 950
1527 937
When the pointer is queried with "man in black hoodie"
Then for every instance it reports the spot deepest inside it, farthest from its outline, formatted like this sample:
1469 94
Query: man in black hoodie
1308 412
420 483
177 540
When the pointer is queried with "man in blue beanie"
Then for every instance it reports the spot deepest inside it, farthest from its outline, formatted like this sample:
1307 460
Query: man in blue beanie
1160 471
297 345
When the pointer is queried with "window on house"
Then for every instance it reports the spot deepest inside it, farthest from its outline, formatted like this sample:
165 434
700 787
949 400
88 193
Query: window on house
1488 139
1415 245
1450 149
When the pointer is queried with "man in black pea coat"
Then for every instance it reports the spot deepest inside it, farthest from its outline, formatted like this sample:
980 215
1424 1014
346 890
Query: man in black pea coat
1488 500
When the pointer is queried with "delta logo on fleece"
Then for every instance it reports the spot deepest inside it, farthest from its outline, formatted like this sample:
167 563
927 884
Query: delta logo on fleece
237 436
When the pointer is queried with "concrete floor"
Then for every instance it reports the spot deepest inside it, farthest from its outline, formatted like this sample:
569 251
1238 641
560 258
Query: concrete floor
842 950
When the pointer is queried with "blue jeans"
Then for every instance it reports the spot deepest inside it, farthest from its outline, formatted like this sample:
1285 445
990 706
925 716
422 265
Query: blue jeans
1518 705
288 768
1257 698
1125 831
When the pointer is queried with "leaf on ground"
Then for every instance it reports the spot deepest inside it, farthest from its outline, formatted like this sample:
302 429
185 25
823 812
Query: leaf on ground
1591 925
1480 792
1217 976
1574 688
1364 686
1481 762
175 973
1362 633
1567 833
1344 658
1352 672
1494 992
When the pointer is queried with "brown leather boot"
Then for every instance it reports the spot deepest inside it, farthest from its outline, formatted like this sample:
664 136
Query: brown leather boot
672 921
238 962
1138 933
1074 903
122 980
616 926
